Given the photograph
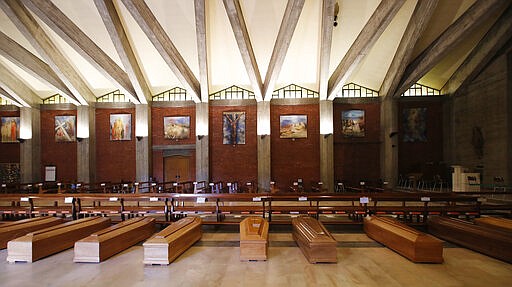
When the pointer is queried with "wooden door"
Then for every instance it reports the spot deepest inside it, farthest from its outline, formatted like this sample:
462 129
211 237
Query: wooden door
177 165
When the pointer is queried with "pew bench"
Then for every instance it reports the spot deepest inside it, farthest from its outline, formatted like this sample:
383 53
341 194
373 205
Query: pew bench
314 240
408 242
253 239
41 243
165 246
107 242
15 229
487 240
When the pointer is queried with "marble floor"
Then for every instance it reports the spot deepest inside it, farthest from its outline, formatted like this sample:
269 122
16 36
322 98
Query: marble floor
214 261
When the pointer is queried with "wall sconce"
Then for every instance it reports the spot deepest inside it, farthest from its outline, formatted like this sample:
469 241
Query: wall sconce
263 136
392 134
139 138
200 137
79 139
327 135
20 140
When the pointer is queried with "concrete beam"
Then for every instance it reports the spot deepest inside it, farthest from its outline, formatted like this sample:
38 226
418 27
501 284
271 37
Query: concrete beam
202 48
325 46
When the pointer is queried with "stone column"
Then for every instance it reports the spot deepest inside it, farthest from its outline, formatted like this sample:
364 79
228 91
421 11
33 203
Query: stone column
30 149
86 144
143 142
326 145
202 142
263 126
389 139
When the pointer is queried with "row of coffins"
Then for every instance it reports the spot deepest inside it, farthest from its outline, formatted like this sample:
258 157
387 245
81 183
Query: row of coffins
94 239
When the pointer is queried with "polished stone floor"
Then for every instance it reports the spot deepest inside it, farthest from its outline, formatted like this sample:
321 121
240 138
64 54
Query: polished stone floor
214 261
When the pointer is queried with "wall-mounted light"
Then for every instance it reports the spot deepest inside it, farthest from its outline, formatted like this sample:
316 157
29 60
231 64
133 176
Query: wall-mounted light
79 139
392 134
327 135
263 136
139 138
200 137
20 140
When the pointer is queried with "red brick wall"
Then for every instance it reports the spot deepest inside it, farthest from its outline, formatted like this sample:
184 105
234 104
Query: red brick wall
115 160
233 163
61 154
422 156
299 158
357 158
9 152
157 136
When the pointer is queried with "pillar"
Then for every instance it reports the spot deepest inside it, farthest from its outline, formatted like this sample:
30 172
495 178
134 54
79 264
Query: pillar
389 138
202 141
30 148
326 145
263 126
143 142
86 144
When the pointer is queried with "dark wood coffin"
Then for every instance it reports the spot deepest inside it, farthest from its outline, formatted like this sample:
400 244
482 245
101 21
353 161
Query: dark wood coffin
408 242
15 229
487 240
165 246
114 239
48 241
497 223
253 239
314 240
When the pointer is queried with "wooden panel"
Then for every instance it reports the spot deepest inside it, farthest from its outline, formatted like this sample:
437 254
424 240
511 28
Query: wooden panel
177 166
314 240
48 241
12 230
107 242
253 239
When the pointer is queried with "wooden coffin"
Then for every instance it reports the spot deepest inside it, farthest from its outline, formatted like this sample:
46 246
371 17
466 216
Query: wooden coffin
497 223
253 239
314 240
48 241
165 246
15 229
487 240
408 242
114 239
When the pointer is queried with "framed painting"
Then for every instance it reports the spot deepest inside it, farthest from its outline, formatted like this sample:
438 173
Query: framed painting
10 129
414 125
293 126
120 127
233 128
177 127
353 123
65 128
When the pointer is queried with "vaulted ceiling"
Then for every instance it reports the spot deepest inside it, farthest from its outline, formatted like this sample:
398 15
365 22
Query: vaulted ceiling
83 49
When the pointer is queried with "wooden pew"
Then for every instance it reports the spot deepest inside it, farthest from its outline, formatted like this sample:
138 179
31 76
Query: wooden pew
489 241
114 239
15 229
497 223
48 241
410 243
314 240
253 239
168 244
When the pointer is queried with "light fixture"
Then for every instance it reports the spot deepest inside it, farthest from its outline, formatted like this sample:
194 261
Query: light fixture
200 137
20 140
263 136
327 135
139 138
336 11
79 139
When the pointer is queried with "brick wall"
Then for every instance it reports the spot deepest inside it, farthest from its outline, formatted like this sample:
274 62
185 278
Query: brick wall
228 162
299 158
9 152
61 154
115 160
357 158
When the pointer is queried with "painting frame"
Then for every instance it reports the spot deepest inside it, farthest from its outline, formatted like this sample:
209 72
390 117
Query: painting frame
176 127
10 129
120 127
414 124
233 127
353 123
293 126
65 128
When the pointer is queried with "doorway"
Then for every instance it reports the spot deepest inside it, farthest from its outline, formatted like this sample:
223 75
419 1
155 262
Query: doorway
177 168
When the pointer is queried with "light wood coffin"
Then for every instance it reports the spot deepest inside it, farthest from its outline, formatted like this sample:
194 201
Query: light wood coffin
483 239
15 229
409 242
253 239
114 239
168 244
315 241
44 242
497 223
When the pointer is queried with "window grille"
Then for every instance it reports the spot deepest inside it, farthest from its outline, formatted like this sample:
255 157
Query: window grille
172 95
352 90
419 90
5 102
232 93
113 97
55 99
294 92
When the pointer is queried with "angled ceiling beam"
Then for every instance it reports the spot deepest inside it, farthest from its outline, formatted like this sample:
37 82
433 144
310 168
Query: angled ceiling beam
35 34
236 18
288 24
496 38
17 89
52 16
124 49
453 35
31 64
325 46
156 34
419 20
202 49
371 32
6 95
